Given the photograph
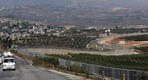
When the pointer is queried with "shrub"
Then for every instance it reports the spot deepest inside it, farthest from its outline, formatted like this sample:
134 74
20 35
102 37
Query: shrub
78 69
41 61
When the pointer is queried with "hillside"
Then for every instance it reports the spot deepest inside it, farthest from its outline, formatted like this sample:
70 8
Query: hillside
78 16
77 12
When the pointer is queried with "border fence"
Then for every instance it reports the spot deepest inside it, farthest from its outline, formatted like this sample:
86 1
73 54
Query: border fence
117 49
117 73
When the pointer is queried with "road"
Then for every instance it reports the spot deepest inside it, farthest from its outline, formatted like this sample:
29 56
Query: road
99 40
120 50
24 71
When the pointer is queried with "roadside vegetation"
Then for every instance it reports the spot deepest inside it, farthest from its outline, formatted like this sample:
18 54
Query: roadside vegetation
53 63
138 62
50 62
45 62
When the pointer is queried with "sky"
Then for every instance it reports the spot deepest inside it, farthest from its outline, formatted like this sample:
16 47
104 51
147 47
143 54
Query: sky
73 3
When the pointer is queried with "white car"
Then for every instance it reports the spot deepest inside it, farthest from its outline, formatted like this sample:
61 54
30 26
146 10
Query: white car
9 64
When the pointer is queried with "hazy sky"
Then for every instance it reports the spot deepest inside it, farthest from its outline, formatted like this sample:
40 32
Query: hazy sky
87 3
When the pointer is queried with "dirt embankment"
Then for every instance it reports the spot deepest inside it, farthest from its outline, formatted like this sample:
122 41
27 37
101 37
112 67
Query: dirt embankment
127 43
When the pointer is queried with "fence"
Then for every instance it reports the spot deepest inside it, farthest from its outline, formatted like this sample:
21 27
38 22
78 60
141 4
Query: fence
117 49
122 74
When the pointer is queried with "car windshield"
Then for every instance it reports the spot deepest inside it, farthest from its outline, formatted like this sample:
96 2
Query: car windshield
8 60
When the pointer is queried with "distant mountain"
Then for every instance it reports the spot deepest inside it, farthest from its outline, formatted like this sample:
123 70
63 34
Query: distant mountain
80 12
78 3
59 15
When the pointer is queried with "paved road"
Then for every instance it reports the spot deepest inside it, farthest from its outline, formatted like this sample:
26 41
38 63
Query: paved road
116 48
26 72
112 37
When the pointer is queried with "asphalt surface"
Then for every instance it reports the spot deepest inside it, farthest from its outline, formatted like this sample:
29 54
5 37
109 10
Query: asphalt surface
24 71
116 48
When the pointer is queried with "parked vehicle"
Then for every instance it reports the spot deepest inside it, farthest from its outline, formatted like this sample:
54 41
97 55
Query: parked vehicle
9 64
